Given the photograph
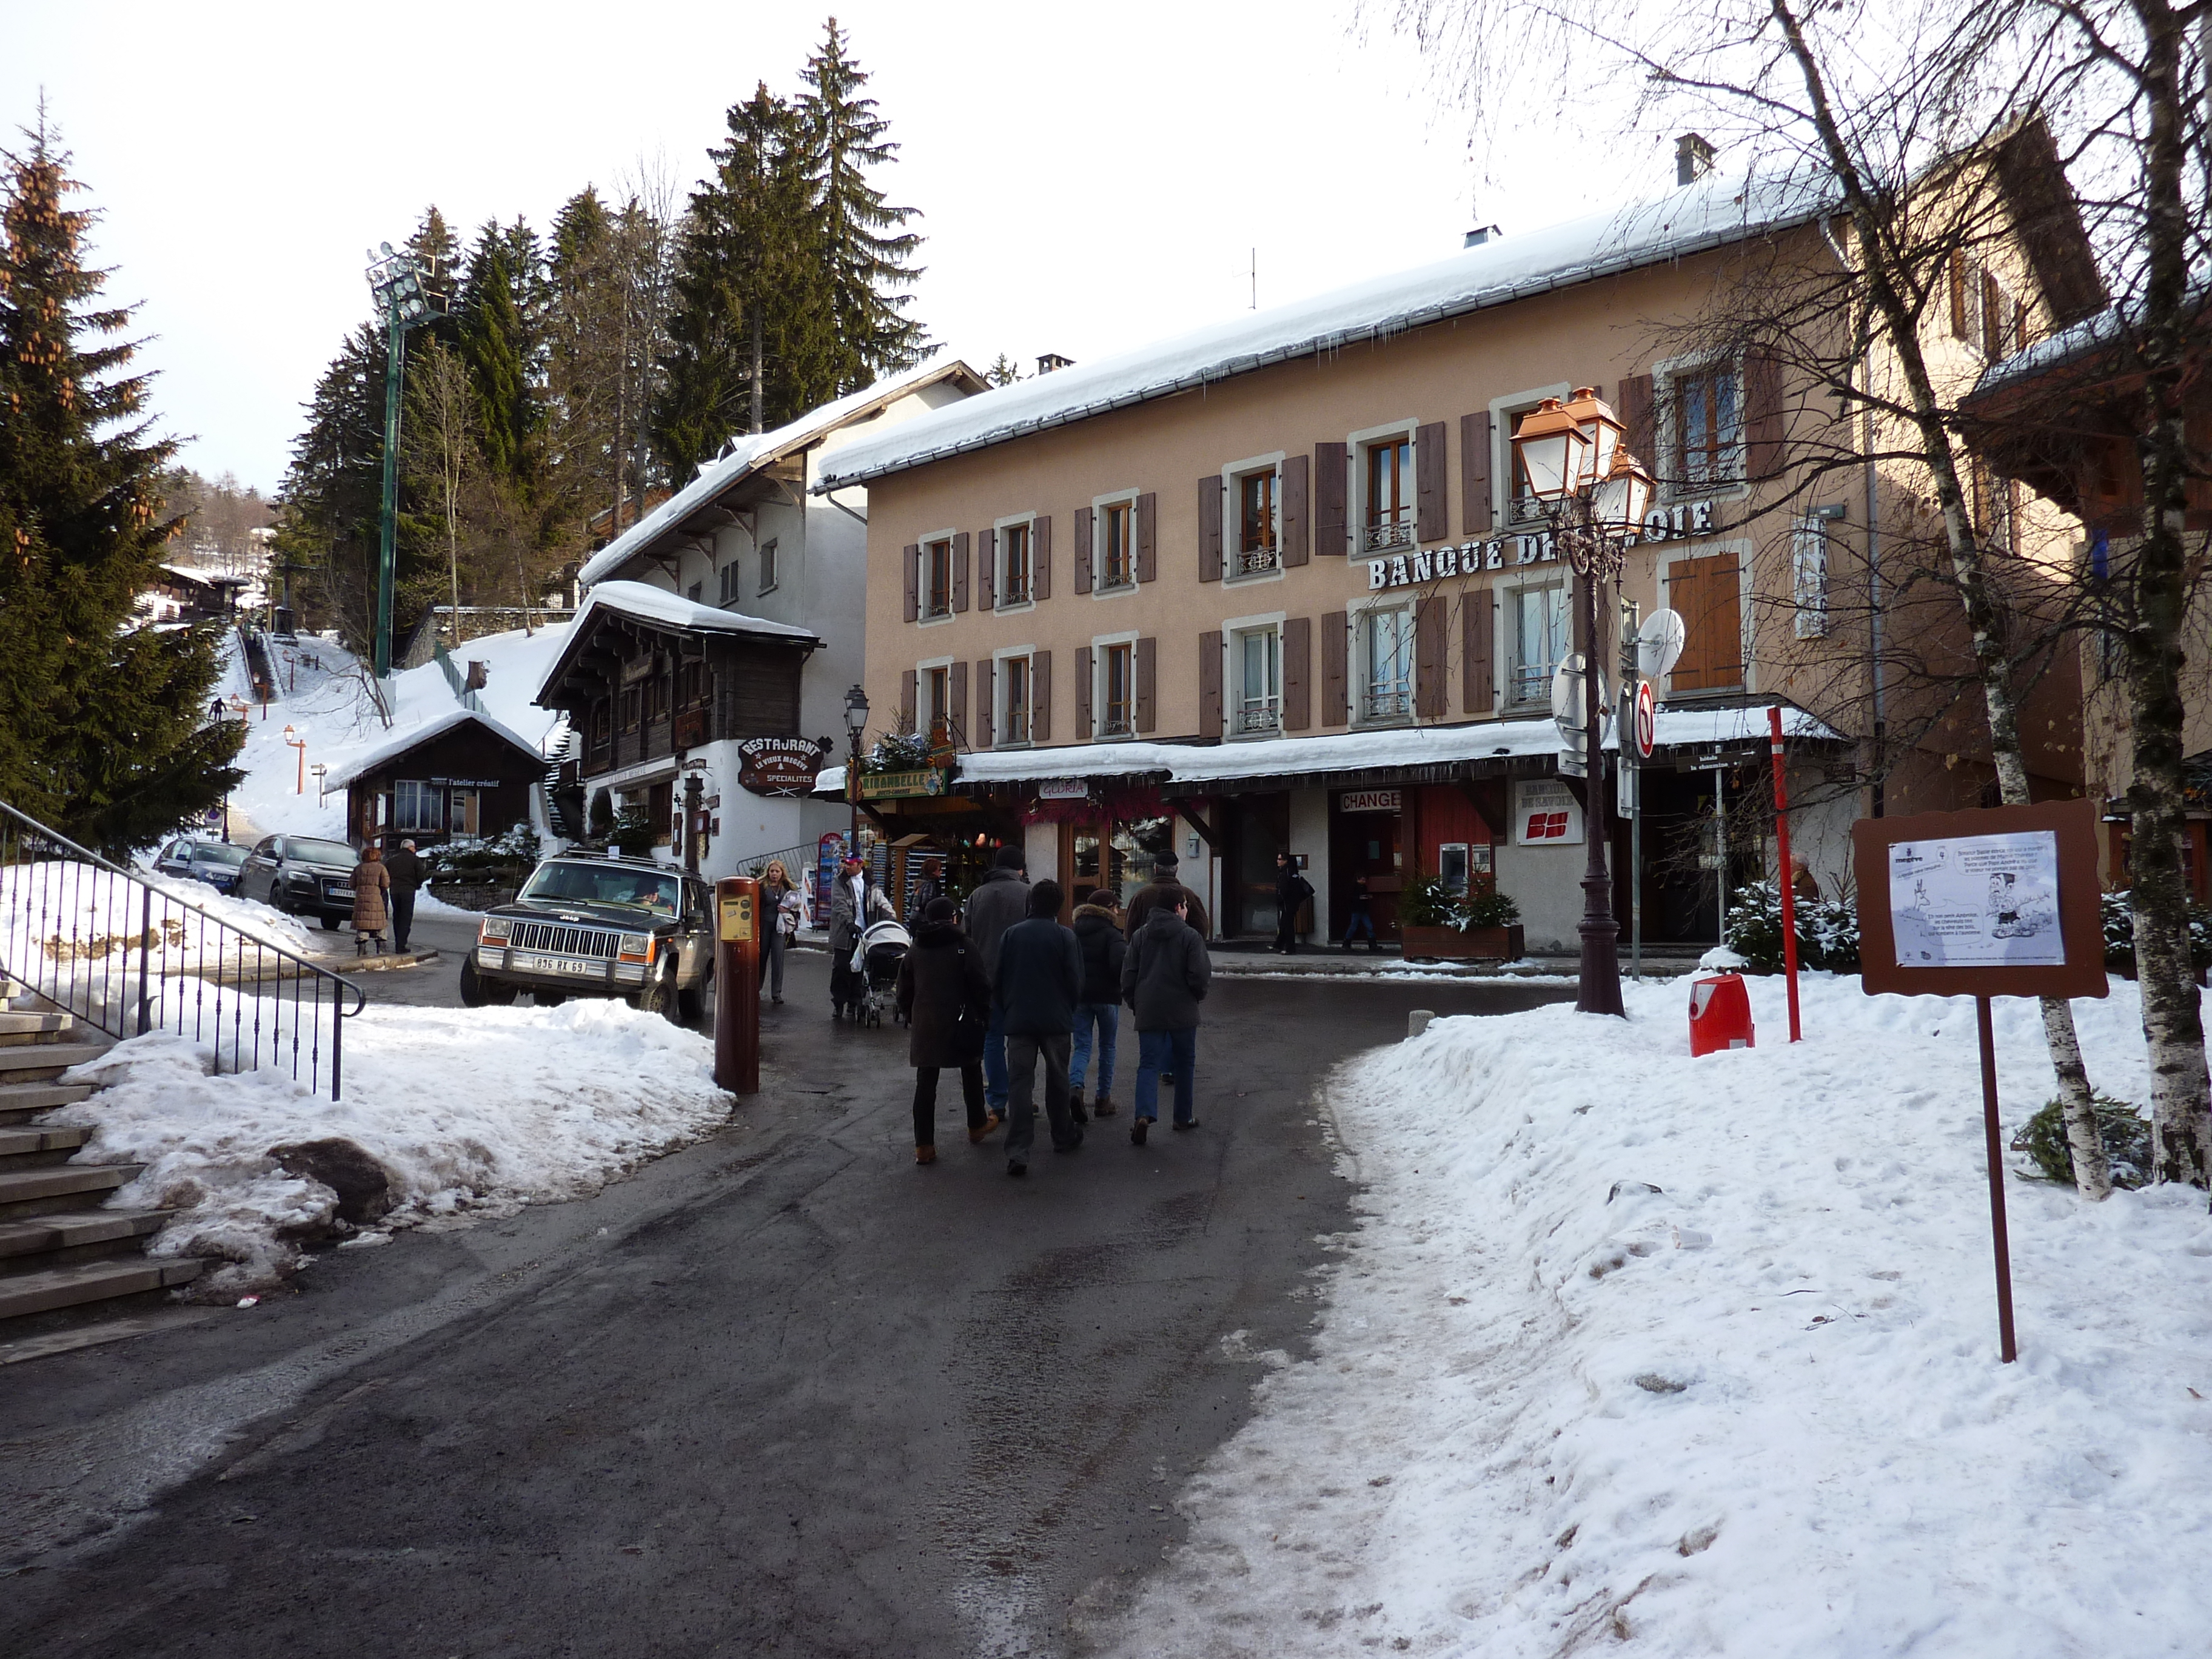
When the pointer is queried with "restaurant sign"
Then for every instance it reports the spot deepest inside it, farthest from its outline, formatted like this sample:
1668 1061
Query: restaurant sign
904 785
780 766
1662 524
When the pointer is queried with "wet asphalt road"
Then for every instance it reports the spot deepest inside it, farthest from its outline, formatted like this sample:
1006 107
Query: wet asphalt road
780 1393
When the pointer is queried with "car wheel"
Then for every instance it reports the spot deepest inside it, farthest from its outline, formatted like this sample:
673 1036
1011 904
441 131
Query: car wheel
661 998
477 992
331 923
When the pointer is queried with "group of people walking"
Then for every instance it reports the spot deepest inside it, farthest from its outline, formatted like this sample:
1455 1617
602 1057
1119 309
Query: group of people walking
1006 989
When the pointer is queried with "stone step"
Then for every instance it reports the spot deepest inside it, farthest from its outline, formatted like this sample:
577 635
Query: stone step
42 1062
23 1144
79 1230
21 1102
20 1029
45 1289
33 1192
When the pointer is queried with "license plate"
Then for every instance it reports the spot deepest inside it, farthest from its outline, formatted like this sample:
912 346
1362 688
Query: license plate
555 965
341 892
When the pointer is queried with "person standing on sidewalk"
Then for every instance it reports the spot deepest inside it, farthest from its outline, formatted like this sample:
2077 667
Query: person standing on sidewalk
946 1002
1363 917
371 882
1098 936
1001 900
1038 983
775 885
853 905
405 870
1292 890
1164 980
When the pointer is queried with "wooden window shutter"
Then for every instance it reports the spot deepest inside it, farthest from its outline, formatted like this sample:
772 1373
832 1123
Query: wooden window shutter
1083 549
1335 692
956 695
1478 638
1085 670
986 569
1431 699
986 688
908 688
1148 655
1148 537
1041 555
1474 473
1209 528
910 556
1762 425
1634 413
1209 684
1297 537
1297 673
1958 295
1707 594
1040 696
960 571
1431 501
1332 469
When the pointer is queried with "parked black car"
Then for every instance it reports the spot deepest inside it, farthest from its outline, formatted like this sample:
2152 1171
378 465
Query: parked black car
594 927
301 875
194 859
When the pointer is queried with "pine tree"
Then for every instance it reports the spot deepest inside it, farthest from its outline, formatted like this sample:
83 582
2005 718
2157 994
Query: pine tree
108 739
333 491
493 316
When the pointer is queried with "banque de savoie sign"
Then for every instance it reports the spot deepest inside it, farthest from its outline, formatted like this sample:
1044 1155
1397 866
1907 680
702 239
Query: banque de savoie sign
1506 552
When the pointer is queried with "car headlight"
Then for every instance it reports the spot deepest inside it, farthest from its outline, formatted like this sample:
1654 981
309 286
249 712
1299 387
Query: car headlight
636 947
494 930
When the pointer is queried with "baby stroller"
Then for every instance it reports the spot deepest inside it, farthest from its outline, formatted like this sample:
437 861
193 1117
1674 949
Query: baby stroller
883 945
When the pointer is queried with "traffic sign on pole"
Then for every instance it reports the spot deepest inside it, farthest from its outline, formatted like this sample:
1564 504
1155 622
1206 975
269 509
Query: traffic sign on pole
1647 720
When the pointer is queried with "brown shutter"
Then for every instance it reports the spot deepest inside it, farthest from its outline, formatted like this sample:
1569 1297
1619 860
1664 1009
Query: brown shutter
1298 681
1480 634
906 699
956 695
1634 413
1209 528
1148 536
1762 425
986 569
1431 502
1041 555
1147 663
1707 594
1086 672
910 556
1474 473
1083 549
960 571
1335 636
1958 295
1209 684
1040 696
1430 698
1329 464
1297 538
987 695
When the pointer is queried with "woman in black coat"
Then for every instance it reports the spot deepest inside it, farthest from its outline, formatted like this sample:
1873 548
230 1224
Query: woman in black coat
941 981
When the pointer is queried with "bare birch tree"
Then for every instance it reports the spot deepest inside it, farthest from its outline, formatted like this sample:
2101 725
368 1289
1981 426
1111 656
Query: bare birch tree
438 437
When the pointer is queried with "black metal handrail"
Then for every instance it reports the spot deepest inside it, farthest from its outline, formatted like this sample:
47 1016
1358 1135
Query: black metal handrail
128 956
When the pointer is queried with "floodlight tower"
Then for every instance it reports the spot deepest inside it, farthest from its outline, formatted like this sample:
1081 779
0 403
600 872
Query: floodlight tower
405 294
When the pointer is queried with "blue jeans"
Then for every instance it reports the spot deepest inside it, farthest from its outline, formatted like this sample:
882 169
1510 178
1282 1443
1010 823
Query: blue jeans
1166 1051
1361 923
995 1080
1108 1017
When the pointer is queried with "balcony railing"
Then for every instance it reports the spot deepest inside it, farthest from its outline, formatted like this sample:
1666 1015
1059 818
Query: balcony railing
1395 535
1258 717
1390 704
1256 560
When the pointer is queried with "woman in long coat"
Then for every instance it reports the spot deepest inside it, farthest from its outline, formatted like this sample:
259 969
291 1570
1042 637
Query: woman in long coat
371 882
946 1000
775 883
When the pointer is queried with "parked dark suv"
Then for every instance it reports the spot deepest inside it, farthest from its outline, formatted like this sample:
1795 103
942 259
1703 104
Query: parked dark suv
592 926
303 875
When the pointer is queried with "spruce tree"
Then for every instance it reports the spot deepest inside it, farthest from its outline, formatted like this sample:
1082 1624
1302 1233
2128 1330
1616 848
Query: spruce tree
108 740
494 318
333 491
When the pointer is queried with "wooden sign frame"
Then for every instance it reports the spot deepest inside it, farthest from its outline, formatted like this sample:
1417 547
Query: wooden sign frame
2080 921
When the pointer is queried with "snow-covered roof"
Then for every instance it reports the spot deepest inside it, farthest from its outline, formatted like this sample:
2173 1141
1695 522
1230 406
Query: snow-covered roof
1349 751
2098 331
400 742
751 450
657 604
1712 213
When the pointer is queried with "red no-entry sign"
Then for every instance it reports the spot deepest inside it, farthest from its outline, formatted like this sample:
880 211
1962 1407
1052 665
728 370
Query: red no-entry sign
1647 719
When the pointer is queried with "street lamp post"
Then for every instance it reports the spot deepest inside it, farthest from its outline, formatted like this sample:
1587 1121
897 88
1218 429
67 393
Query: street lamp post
398 283
1570 458
299 744
856 721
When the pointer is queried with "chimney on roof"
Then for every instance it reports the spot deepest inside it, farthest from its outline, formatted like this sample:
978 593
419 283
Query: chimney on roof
1481 235
1694 159
1052 360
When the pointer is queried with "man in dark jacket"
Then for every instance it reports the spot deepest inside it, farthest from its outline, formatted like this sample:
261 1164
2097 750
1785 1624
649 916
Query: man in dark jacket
1164 890
945 1000
1292 890
1001 900
1039 981
1098 936
1164 979
405 870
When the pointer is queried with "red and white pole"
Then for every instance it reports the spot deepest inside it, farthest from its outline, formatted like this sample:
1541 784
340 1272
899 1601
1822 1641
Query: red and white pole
1788 870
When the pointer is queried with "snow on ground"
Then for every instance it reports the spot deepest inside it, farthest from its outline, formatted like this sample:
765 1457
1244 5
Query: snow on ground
470 1110
1685 1357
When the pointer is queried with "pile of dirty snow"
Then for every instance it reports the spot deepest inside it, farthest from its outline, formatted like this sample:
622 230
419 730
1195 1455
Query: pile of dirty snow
469 1111
1634 1351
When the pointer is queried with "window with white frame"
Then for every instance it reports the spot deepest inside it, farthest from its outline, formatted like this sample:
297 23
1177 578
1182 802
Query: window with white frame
768 575
1385 641
1117 688
1014 693
1386 491
1538 628
936 578
1115 559
1255 672
1706 404
1014 567
416 806
1258 501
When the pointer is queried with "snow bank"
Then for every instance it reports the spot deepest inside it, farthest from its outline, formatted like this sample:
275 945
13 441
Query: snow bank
470 1110
1699 1357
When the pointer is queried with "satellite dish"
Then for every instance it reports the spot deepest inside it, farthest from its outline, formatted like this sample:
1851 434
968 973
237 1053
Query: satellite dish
1568 710
1659 643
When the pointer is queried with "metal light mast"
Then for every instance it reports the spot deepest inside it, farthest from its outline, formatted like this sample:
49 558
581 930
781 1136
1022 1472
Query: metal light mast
401 287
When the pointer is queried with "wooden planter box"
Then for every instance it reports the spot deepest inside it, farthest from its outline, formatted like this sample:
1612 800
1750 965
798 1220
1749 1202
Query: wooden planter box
1450 945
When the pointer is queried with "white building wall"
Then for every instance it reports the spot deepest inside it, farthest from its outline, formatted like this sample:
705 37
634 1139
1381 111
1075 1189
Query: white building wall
1309 836
1546 882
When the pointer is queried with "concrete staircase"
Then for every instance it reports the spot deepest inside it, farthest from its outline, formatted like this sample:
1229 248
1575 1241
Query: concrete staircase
62 1258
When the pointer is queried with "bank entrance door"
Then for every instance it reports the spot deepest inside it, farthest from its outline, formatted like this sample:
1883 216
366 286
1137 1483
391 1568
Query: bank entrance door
1367 841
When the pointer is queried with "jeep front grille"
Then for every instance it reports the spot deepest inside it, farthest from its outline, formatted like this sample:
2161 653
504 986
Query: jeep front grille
552 939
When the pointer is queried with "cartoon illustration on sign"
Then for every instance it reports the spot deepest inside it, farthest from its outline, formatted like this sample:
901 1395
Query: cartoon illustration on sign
1977 902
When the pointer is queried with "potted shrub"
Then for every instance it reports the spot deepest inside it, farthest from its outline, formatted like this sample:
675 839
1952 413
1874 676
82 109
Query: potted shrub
1428 915
1490 922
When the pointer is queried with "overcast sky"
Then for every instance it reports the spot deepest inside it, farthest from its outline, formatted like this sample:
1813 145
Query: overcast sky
1088 177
